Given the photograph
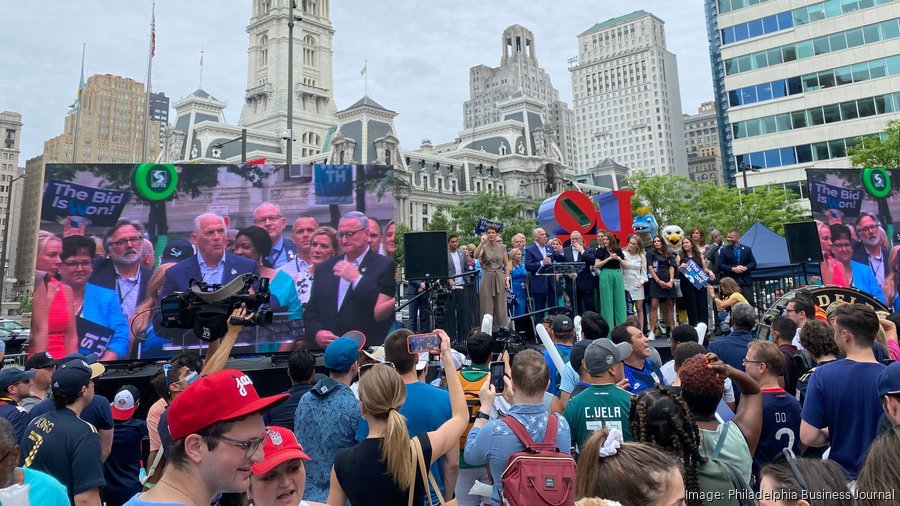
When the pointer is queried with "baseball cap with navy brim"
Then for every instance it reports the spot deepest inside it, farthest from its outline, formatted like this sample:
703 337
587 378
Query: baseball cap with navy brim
13 375
280 445
889 380
223 395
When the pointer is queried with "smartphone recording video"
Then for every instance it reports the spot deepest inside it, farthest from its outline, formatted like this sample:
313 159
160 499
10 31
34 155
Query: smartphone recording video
497 371
420 343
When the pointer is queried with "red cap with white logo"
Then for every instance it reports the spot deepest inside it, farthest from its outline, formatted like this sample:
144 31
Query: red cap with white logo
224 395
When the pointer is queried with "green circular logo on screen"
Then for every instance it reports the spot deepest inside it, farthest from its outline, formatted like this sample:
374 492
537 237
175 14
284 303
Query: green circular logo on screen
877 181
154 181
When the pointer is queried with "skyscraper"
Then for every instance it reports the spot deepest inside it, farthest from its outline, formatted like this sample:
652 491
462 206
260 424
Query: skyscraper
159 112
110 126
519 69
626 97
797 85
701 137
10 135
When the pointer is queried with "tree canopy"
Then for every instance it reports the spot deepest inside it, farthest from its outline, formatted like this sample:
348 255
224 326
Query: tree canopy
462 218
878 151
676 200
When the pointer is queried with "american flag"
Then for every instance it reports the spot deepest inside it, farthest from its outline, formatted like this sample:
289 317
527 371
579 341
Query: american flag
153 33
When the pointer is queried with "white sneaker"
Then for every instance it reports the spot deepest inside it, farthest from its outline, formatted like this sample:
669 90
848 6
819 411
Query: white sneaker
650 336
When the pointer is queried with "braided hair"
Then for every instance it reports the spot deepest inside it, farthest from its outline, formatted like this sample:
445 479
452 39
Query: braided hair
660 416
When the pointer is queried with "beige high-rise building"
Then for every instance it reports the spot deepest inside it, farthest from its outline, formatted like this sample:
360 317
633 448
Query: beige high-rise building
110 126
10 134
701 139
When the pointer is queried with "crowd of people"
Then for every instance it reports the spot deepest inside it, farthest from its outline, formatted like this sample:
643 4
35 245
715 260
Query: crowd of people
649 283
101 294
739 421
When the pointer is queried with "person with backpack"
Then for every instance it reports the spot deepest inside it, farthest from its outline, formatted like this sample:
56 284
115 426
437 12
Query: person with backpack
499 442
609 469
472 378
726 446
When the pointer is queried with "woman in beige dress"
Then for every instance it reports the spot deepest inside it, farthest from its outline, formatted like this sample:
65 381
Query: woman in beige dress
495 269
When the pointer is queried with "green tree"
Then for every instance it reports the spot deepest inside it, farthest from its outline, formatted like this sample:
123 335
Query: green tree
439 221
878 151
399 230
491 205
680 201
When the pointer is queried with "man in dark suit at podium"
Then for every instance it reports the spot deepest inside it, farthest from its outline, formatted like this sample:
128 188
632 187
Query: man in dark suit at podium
583 284
211 264
542 288
352 291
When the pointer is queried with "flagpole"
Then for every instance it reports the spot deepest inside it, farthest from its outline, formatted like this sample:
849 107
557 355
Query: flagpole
146 119
78 104
201 67
366 66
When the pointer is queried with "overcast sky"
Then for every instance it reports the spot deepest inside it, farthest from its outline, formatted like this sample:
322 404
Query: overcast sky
419 52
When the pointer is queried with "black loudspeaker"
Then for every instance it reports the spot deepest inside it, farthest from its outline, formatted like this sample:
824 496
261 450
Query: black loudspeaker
803 242
425 255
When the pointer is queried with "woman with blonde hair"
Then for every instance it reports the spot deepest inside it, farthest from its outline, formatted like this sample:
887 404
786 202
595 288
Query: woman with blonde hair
56 333
382 469
518 276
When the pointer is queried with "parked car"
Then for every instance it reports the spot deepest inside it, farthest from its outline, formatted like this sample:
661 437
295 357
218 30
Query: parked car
14 326
15 342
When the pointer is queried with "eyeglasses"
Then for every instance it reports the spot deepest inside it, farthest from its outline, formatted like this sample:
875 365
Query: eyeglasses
349 235
745 361
190 378
127 240
841 245
869 228
268 219
250 446
789 310
75 265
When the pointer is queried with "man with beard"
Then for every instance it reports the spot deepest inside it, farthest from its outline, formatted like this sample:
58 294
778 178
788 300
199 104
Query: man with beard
298 267
123 271
268 217
869 250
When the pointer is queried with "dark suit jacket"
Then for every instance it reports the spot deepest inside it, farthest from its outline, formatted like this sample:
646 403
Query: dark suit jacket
357 311
862 256
728 259
105 275
289 250
585 282
179 276
533 261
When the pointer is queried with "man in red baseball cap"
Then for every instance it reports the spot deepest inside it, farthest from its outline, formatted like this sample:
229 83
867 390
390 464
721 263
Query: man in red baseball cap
218 432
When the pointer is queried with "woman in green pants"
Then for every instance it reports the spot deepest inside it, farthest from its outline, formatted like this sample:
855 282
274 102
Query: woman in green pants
612 287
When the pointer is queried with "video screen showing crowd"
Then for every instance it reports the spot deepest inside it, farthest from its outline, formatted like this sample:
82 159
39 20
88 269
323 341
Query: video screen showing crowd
102 287
854 214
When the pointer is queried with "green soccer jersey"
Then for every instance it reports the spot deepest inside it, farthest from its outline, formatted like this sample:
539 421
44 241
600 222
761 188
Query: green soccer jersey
598 407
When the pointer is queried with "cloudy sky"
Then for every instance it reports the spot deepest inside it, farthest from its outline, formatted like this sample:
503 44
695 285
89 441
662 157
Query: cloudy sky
419 52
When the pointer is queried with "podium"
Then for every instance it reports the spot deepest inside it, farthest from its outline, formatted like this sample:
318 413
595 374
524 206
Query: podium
561 268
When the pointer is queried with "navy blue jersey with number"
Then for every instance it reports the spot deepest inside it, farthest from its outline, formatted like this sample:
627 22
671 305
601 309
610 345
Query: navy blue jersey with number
780 427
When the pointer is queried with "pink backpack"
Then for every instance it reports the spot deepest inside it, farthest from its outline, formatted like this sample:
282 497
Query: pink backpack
540 474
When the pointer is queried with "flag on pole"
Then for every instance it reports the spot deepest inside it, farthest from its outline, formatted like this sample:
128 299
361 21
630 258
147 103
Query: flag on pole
364 69
81 84
153 33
